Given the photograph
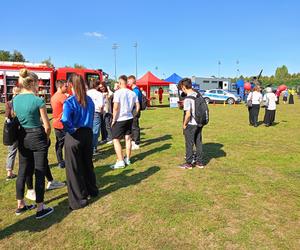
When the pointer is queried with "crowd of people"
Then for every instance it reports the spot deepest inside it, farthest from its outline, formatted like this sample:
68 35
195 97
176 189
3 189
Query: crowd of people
78 120
256 98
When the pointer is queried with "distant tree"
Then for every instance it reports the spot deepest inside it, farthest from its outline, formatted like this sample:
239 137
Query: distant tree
17 56
281 73
4 55
78 66
48 62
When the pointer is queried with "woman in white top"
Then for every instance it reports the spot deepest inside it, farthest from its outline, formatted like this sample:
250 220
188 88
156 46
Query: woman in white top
270 100
98 101
256 97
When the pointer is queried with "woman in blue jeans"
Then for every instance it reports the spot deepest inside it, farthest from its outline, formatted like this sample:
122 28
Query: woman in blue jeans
98 101
32 142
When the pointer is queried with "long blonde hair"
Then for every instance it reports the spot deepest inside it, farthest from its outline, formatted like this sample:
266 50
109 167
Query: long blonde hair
28 80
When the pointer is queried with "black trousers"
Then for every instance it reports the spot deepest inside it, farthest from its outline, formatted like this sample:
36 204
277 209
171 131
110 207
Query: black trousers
193 136
80 173
60 141
136 131
291 99
32 159
269 117
107 123
103 128
253 114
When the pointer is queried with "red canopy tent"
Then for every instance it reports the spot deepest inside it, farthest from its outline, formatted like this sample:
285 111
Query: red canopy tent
149 80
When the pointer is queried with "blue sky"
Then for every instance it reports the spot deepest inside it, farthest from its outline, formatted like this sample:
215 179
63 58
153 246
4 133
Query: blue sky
187 37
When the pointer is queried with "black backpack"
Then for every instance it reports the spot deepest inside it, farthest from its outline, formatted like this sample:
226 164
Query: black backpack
201 110
144 102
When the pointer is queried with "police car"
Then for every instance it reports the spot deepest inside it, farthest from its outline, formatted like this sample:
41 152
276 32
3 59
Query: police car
221 96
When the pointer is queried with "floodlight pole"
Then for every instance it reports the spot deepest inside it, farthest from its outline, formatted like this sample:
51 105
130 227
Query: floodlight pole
135 45
115 47
219 68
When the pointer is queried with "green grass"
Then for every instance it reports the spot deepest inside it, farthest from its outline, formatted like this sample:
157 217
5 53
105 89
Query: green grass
248 197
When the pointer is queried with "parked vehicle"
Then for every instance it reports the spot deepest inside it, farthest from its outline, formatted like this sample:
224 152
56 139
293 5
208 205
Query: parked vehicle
220 96
9 75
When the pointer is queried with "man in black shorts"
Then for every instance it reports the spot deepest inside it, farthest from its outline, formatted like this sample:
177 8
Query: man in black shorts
124 102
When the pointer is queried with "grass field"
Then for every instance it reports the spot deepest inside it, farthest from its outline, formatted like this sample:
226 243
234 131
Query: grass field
248 196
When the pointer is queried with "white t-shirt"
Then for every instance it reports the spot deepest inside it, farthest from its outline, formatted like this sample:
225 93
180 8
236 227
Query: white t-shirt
127 100
255 96
189 105
270 99
97 98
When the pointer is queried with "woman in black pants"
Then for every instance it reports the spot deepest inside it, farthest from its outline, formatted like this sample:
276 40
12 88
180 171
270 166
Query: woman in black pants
33 139
77 118
256 98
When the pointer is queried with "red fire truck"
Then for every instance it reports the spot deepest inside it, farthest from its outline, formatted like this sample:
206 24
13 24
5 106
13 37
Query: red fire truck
9 75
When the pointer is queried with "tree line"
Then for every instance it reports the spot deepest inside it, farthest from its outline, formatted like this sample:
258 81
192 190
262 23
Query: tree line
281 76
17 56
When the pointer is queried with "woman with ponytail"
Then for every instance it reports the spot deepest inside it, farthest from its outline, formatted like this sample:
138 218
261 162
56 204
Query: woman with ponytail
33 140
77 118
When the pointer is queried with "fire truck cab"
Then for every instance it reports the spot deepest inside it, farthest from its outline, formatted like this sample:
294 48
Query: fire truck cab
9 75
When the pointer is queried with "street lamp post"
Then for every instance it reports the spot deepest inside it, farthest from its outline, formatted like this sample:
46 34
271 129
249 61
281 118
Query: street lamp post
135 45
237 68
219 68
115 47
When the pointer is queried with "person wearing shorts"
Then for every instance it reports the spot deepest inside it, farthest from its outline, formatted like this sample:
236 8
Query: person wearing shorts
123 103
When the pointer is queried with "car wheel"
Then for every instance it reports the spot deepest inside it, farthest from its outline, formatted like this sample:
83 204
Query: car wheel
230 101
207 100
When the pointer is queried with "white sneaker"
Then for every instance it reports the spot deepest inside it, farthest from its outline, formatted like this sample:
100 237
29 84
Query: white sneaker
134 146
118 165
109 142
127 161
30 195
55 185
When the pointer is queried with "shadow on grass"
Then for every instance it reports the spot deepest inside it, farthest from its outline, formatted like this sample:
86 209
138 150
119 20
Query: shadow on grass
212 151
61 210
143 155
154 140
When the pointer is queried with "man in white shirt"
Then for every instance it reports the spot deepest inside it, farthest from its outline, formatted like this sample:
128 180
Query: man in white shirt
98 100
192 132
124 102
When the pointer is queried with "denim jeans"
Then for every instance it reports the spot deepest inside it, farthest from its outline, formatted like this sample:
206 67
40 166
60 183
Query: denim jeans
11 156
96 129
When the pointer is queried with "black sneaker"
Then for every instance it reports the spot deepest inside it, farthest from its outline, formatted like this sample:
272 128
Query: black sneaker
11 177
61 164
44 212
24 209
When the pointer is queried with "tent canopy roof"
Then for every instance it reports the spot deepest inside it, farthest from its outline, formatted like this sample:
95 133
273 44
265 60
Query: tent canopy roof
150 79
174 78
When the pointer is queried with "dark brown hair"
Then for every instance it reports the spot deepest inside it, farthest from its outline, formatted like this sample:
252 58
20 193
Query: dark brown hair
94 83
186 82
79 88
104 86
131 77
123 77
59 83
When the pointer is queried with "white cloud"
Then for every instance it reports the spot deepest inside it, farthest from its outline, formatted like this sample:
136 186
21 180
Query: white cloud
95 34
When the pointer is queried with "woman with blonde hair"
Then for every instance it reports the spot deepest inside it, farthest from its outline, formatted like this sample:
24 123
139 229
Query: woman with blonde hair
33 142
255 97
77 118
